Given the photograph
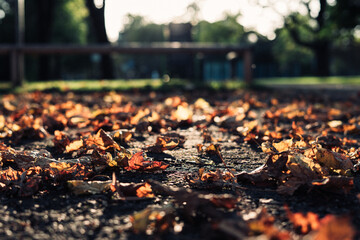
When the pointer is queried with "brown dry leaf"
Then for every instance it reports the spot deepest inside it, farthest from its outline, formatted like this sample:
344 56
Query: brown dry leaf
284 145
167 143
59 165
304 167
74 146
61 140
102 140
162 144
202 104
126 190
22 160
9 175
267 147
302 171
196 203
137 162
222 201
145 191
303 223
335 125
132 191
333 160
267 174
123 135
139 115
199 147
80 187
173 101
335 184
334 228
291 171
212 149
182 113
154 220
328 228
77 171
249 126
211 179
263 223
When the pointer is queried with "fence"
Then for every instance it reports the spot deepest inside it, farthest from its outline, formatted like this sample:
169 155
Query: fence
16 53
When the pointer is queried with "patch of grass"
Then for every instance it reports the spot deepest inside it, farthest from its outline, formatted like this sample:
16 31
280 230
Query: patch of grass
90 85
120 85
159 84
354 80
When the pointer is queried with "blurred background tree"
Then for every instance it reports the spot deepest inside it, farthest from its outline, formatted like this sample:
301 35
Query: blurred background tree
228 30
137 29
323 40
319 30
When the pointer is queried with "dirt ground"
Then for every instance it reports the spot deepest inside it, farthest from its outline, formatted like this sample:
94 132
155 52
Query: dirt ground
55 212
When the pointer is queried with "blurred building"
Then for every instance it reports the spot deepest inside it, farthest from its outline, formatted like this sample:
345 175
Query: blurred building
180 65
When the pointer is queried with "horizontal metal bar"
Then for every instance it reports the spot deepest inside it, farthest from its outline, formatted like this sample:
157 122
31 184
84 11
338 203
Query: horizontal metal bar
128 48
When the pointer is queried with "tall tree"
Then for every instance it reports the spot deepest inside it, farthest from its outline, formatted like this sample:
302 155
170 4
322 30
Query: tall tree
40 17
228 30
318 29
97 16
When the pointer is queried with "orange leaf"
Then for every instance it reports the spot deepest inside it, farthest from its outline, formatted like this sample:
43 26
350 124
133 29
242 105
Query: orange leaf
303 223
144 191
333 227
102 140
137 162
9 175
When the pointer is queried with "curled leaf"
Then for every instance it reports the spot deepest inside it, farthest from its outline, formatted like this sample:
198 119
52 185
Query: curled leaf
80 187
137 162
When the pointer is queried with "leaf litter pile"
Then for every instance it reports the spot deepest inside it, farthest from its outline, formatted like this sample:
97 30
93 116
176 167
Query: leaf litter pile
182 165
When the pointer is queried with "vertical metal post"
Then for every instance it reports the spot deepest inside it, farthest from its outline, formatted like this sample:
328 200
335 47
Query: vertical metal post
248 74
17 56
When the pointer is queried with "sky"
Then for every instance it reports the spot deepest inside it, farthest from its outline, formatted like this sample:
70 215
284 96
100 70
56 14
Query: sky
253 17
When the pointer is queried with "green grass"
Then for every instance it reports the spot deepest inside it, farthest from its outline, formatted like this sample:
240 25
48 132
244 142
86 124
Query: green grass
159 84
91 85
309 81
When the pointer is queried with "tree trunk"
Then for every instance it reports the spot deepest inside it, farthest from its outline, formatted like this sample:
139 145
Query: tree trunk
44 22
97 16
322 56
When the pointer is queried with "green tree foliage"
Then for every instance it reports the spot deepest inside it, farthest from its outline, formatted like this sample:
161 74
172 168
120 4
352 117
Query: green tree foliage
61 21
138 30
319 32
227 30
289 56
71 16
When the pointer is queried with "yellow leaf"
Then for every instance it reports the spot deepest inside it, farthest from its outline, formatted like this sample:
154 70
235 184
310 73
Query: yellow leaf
60 165
284 145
